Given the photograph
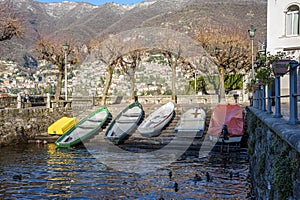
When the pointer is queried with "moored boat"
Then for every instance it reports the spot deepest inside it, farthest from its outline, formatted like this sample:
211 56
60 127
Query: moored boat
86 127
157 120
192 120
62 125
226 124
125 123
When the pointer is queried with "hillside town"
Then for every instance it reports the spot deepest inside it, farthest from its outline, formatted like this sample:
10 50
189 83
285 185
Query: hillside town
42 79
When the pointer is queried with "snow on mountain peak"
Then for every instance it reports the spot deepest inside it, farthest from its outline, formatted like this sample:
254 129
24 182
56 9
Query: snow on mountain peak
140 5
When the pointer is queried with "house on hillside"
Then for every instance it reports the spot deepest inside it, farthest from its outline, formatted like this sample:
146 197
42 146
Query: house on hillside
283 27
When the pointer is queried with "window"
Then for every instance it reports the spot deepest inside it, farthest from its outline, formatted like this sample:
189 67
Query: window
292 20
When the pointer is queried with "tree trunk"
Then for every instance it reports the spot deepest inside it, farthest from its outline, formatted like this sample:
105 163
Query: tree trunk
107 85
173 82
58 86
222 85
132 83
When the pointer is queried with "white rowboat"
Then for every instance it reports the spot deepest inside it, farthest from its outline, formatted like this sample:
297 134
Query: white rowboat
157 120
192 120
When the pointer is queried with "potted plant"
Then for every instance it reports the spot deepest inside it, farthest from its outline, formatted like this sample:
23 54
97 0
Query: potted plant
281 67
269 66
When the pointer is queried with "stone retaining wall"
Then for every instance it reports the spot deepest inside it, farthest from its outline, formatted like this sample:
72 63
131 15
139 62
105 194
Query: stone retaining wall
8 102
21 125
274 151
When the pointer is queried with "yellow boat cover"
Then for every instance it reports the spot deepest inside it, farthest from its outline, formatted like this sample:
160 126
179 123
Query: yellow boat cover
62 125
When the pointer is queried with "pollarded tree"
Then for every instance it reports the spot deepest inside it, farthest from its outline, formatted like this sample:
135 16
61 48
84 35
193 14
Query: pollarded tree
128 64
10 24
173 58
229 48
109 53
173 52
53 52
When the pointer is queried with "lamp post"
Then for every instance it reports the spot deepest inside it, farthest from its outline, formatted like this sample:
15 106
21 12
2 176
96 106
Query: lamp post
251 32
66 48
195 83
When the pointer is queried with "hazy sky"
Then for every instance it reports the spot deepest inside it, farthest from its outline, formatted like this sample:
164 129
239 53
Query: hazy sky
97 2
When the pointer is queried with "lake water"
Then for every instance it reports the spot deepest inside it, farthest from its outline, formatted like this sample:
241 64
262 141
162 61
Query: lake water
41 171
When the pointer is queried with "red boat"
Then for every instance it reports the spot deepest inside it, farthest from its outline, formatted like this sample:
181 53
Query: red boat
226 123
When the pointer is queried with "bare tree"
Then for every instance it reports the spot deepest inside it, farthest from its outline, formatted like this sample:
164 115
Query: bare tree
10 24
128 64
174 60
109 53
229 49
53 52
177 49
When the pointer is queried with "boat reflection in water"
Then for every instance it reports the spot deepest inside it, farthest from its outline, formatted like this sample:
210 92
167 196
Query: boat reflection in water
42 171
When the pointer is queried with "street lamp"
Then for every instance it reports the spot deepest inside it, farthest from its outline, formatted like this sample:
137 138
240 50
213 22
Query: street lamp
66 48
251 32
195 83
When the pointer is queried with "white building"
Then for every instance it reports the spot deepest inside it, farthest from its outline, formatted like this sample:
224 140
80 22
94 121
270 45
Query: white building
283 27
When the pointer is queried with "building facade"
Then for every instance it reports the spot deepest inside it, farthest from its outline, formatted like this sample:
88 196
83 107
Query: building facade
283 32
283 27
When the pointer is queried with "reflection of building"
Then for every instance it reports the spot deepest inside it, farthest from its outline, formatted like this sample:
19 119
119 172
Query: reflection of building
284 30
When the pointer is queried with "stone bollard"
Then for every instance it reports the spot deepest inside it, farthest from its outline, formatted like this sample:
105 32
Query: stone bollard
277 98
48 101
269 107
19 100
263 98
293 93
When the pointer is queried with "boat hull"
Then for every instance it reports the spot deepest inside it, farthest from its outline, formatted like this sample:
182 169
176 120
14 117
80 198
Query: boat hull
85 128
157 120
237 139
125 123
226 124
192 120
62 125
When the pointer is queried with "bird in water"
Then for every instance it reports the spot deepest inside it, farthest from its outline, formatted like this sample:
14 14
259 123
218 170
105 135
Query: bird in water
197 178
233 174
209 177
176 187
170 174
17 177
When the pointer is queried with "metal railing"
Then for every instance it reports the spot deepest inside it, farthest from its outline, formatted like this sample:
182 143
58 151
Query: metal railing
264 103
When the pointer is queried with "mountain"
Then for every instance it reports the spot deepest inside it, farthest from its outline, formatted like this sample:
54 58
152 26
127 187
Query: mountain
83 21
227 13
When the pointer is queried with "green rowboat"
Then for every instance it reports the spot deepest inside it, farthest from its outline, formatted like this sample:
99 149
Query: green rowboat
85 128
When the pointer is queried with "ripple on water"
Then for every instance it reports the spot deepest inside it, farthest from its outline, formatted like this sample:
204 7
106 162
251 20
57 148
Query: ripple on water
48 172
